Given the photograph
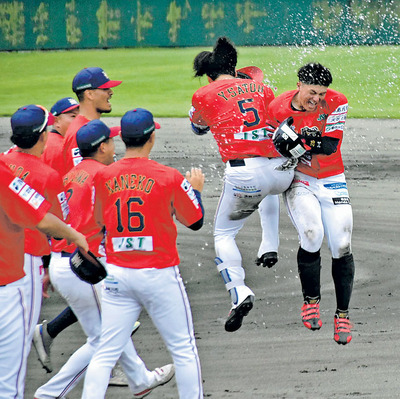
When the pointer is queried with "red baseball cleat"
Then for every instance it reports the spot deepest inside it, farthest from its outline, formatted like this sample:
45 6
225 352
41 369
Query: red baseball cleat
310 314
343 328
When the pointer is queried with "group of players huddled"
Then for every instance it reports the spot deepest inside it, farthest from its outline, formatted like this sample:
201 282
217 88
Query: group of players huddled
62 191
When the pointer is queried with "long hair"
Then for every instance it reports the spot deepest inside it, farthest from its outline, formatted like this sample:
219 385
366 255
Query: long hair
222 60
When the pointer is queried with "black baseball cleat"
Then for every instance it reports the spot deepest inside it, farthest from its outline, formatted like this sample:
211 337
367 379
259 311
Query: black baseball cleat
267 260
235 318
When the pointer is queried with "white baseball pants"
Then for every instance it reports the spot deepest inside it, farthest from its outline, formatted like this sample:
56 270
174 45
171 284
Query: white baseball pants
85 301
13 332
244 189
33 283
162 293
318 206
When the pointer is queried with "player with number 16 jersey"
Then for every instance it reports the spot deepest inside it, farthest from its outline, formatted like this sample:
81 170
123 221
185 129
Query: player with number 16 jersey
123 204
136 200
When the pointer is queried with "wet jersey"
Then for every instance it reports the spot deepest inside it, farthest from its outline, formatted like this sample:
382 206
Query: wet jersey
136 200
327 120
71 153
78 184
45 180
52 154
20 206
236 112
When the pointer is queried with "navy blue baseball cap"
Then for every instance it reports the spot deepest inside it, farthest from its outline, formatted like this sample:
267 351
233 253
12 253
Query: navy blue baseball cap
64 105
93 78
138 123
30 119
93 133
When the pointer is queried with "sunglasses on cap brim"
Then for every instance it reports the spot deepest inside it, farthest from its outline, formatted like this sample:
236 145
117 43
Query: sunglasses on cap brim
48 118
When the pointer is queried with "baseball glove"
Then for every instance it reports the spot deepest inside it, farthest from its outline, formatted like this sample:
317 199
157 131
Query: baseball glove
287 142
87 267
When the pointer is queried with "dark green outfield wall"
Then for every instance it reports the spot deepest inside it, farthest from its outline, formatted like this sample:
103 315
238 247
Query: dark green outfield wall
69 24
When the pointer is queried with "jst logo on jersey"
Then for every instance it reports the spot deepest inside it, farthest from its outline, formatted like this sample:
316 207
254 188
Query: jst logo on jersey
122 244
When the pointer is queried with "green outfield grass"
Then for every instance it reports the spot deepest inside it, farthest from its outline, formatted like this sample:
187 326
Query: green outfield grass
161 79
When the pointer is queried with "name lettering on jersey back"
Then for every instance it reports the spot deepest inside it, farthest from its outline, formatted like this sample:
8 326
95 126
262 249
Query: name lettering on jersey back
232 92
19 172
78 177
129 182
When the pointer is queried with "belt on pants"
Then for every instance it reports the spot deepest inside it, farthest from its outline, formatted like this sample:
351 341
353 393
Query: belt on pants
237 162
65 254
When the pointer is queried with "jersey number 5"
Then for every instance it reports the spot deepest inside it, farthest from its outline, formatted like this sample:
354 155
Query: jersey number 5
244 109
135 219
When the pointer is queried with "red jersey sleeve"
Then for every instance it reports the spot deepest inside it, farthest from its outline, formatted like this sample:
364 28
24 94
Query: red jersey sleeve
20 206
45 180
186 206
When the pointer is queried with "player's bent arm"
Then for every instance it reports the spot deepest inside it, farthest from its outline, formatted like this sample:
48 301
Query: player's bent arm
53 226
199 224
321 145
199 130
196 178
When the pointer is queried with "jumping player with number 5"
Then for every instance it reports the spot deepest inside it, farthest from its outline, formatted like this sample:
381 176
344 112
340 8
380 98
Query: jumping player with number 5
233 106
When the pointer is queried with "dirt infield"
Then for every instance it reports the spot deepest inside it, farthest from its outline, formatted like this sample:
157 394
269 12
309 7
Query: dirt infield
273 355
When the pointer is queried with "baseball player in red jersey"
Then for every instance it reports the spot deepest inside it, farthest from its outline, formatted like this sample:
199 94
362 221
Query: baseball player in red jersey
20 207
136 199
93 89
64 111
96 145
29 135
318 199
234 108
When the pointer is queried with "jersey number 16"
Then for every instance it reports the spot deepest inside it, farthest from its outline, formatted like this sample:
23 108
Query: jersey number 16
135 220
